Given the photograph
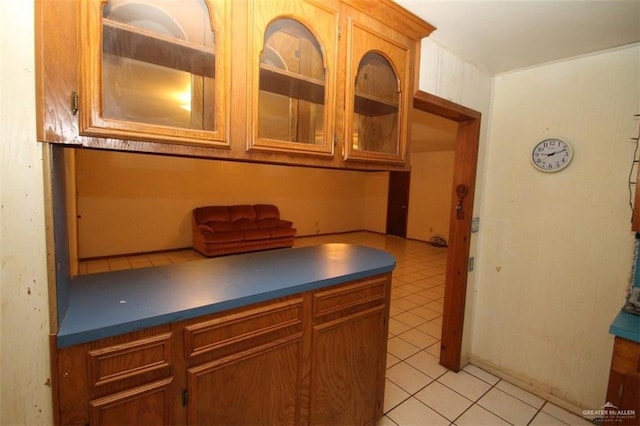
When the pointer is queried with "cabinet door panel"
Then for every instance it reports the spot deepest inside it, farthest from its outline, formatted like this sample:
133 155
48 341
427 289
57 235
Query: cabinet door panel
153 70
349 356
378 94
258 386
145 405
292 57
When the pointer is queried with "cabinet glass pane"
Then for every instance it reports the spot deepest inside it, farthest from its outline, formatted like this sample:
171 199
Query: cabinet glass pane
376 106
158 63
292 85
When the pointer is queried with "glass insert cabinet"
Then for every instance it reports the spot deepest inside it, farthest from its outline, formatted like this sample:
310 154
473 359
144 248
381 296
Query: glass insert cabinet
316 83
293 67
151 70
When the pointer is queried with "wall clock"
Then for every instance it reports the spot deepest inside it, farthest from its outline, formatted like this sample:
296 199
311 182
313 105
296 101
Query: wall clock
551 155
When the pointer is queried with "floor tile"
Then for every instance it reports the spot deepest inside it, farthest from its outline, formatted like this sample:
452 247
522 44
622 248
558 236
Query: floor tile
543 419
405 304
426 363
481 374
434 350
401 348
521 394
393 395
418 338
410 319
465 384
478 416
443 400
392 360
397 327
507 407
431 328
424 313
386 421
413 413
564 415
407 377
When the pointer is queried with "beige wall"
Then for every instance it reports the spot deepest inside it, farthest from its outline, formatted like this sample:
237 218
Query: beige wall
25 391
430 194
555 250
130 203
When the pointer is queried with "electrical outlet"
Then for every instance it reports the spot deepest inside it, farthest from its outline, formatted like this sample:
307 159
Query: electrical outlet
475 224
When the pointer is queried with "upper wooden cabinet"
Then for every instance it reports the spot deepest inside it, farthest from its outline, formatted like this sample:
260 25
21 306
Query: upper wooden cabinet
153 70
292 68
308 82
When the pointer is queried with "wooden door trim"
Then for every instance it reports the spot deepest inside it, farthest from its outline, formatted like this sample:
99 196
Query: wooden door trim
464 173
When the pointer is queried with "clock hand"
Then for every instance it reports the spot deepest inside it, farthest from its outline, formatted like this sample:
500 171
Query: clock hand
556 152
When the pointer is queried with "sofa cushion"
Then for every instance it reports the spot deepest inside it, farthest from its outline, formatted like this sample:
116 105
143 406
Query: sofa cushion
266 211
224 237
282 232
219 226
244 224
211 214
257 234
242 211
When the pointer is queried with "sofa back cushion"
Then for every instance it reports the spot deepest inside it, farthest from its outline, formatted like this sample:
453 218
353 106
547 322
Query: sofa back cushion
242 212
266 211
203 215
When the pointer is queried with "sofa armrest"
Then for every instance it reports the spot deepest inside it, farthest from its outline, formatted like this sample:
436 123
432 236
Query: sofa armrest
204 229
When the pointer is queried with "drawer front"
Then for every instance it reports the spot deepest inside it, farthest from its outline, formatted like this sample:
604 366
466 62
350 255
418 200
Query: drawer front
234 333
136 361
351 298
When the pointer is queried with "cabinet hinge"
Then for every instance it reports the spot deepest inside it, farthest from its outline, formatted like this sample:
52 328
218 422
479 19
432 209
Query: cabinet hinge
335 140
74 102
185 397
339 33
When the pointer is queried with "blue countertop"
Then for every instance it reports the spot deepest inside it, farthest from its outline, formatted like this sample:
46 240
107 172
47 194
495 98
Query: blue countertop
627 326
111 303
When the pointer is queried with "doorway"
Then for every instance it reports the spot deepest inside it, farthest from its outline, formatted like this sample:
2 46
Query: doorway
461 211
398 203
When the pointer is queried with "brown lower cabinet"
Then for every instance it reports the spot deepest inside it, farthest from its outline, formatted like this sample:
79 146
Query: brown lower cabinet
313 358
624 382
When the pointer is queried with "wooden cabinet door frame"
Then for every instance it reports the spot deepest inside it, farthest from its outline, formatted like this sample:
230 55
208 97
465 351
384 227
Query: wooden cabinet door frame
464 173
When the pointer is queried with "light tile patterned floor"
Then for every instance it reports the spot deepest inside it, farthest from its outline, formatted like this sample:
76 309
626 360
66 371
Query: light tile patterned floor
419 391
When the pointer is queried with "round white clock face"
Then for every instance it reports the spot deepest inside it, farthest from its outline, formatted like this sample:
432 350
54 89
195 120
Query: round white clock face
551 155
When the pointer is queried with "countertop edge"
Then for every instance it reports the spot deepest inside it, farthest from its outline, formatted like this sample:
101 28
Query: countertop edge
627 326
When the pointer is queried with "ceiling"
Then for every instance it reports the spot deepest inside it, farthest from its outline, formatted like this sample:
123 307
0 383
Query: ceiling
504 35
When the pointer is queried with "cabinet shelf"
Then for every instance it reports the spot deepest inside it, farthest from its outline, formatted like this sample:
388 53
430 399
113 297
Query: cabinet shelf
131 42
287 83
366 104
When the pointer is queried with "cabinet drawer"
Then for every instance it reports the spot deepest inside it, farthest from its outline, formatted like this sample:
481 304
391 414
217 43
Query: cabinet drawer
351 298
237 332
143 359
143 405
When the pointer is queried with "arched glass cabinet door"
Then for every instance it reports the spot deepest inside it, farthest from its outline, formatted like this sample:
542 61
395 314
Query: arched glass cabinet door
153 70
376 98
376 107
292 86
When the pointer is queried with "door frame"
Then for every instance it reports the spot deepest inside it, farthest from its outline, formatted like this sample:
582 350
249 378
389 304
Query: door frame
464 173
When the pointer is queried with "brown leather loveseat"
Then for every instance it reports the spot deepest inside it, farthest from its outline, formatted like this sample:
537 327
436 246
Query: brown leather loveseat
219 230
